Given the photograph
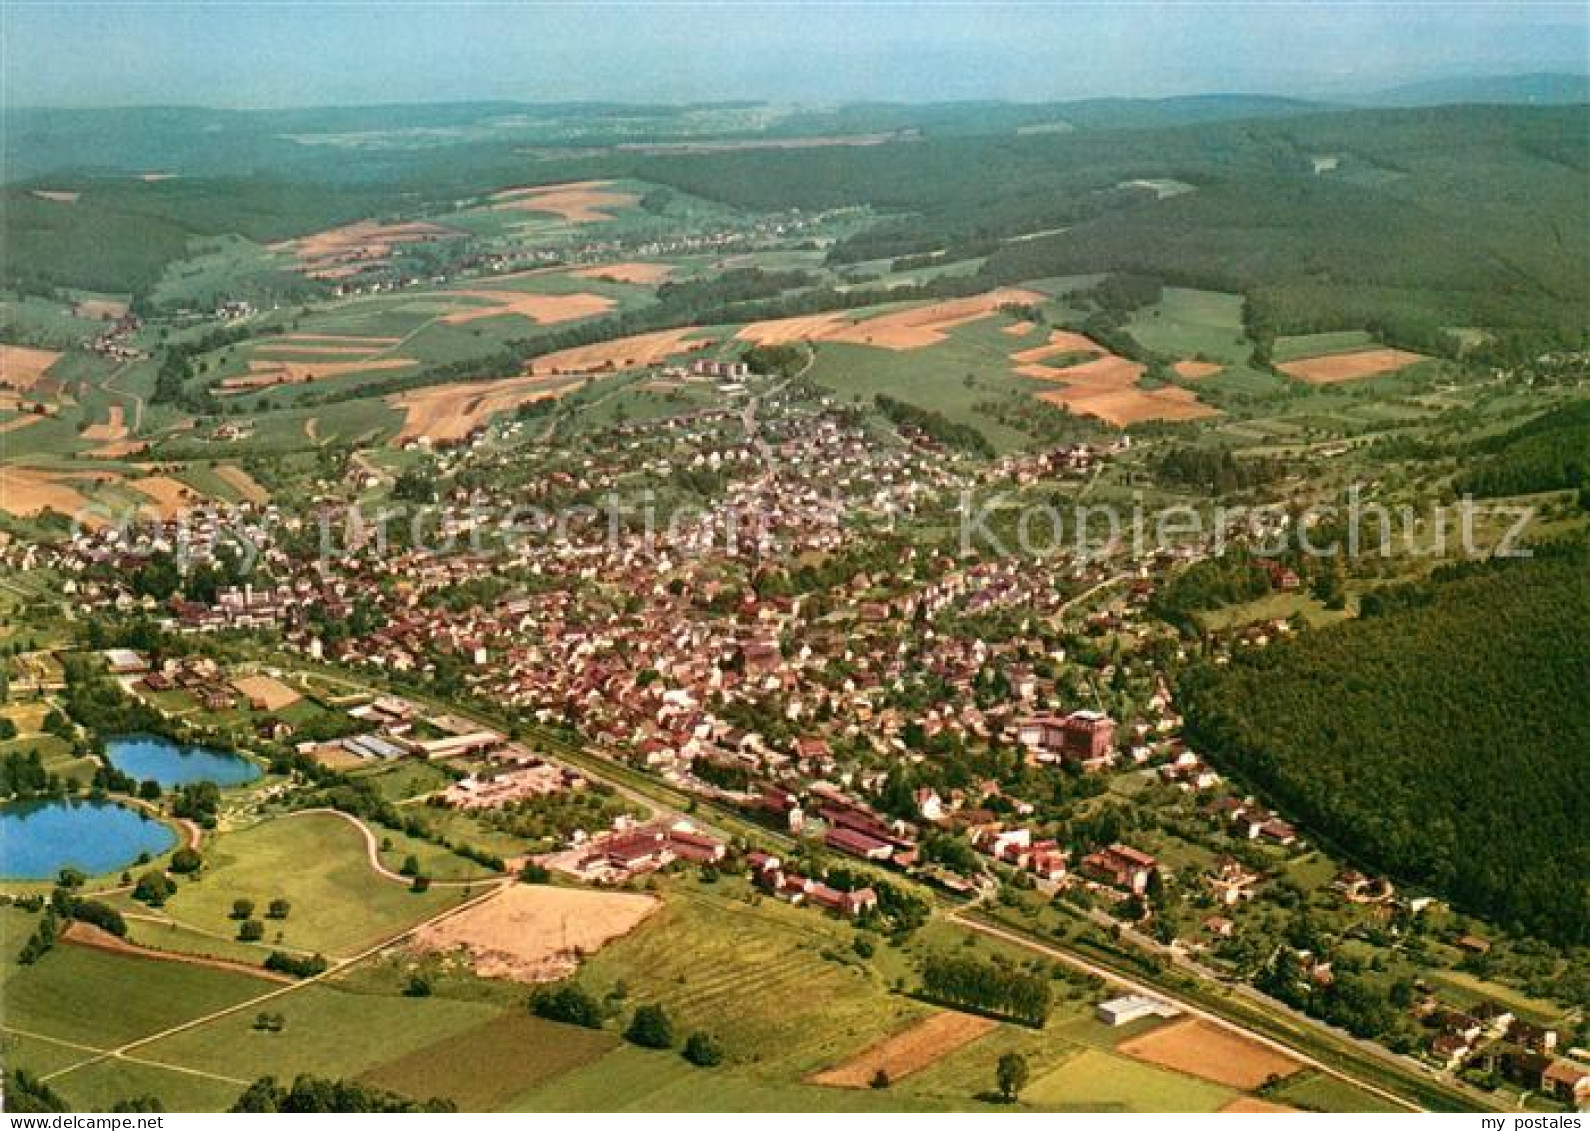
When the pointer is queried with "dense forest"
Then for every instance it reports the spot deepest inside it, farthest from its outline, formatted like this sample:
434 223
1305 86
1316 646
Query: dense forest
1549 453
1443 740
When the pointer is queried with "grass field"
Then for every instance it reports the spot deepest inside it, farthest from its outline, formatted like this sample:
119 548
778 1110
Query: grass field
318 863
1315 1091
64 995
329 1031
1318 345
1099 1081
486 1067
933 378
1187 324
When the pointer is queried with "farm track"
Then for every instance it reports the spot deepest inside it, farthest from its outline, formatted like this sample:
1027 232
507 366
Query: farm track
82 934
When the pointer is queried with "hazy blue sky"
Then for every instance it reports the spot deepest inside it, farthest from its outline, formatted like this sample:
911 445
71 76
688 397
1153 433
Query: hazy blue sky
320 52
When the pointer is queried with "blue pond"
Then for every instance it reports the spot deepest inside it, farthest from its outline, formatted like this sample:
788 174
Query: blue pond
147 757
39 838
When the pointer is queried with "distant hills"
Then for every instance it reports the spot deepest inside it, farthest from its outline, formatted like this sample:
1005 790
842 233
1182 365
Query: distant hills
1546 89
196 141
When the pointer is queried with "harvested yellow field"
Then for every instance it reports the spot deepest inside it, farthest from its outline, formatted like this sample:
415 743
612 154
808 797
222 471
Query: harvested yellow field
339 252
27 492
919 326
103 308
1196 370
621 353
922 1045
1210 1052
1060 342
1125 406
116 449
1356 366
543 310
803 328
265 693
268 373
536 933
1106 387
578 202
448 413
1248 1105
170 496
113 429
910 328
22 366
26 420
248 489
643 274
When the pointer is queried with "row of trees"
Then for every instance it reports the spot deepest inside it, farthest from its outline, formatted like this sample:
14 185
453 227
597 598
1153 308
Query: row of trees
986 986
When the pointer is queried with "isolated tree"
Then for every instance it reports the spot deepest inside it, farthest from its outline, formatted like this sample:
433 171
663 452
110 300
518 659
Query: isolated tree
153 888
1012 1075
410 866
250 930
650 1028
880 1080
278 909
242 909
703 1050
567 1002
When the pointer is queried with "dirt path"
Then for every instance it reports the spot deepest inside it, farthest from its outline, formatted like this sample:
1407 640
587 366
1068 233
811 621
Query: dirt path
86 934
136 401
27 1035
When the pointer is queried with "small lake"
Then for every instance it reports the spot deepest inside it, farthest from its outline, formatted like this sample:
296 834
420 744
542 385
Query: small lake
39 838
147 757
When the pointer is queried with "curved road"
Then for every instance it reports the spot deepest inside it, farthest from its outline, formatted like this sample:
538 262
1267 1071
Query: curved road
372 847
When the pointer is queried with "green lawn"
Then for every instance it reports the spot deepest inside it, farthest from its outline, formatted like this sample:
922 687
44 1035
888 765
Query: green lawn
317 862
1099 1081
